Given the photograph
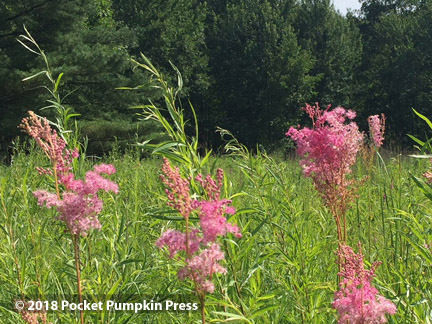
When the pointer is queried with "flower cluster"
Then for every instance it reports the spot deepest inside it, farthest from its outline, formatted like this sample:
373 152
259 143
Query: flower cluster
202 266
328 151
79 204
203 253
376 129
357 301
52 145
33 317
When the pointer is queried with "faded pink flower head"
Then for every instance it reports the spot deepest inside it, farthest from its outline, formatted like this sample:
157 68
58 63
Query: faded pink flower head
357 301
178 190
52 144
377 129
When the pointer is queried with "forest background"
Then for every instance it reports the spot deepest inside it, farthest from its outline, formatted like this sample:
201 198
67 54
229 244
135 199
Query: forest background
247 65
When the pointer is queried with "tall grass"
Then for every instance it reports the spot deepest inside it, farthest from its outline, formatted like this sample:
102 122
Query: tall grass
281 271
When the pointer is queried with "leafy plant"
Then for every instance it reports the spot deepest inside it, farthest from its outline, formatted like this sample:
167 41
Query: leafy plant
181 147
66 126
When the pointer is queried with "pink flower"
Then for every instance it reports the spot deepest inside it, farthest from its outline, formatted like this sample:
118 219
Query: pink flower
213 221
46 198
80 204
329 149
178 189
211 188
175 241
376 129
95 182
52 145
203 253
201 268
357 301
104 168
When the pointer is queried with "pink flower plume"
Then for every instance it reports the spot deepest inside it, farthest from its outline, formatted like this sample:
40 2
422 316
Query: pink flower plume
377 129
357 301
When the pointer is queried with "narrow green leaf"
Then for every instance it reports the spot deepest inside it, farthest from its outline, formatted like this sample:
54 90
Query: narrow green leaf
34 75
423 117
58 82
415 139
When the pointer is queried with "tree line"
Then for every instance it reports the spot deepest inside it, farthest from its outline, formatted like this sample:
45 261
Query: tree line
248 65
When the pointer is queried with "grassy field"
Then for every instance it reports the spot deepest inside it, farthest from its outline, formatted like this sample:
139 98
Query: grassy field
283 269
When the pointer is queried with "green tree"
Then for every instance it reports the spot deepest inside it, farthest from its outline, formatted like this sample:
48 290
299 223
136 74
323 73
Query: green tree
259 70
173 31
169 31
397 73
335 44
80 39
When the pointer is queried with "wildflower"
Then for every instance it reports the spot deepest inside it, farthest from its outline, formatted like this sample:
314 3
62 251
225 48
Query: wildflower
80 203
211 188
328 151
175 241
202 267
203 253
376 129
52 145
213 222
357 301
178 189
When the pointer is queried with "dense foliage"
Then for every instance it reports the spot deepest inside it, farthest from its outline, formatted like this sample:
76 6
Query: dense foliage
247 65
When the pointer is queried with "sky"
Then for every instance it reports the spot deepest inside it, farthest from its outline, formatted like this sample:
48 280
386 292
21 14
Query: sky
342 5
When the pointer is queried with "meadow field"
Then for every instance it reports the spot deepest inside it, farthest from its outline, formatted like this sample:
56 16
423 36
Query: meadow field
282 270
168 232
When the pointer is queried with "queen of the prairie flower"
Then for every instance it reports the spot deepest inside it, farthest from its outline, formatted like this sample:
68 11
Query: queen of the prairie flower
54 147
358 301
78 205
377 129
329 148
328 151
202 252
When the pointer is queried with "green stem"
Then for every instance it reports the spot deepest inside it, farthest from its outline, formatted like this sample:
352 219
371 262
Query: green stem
75 239
12 238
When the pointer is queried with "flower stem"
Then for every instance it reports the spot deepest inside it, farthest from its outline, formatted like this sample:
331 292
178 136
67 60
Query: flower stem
202 301
56 179
14 249
75 238
188 254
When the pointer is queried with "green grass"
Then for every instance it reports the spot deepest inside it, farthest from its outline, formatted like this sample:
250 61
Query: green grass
282 270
